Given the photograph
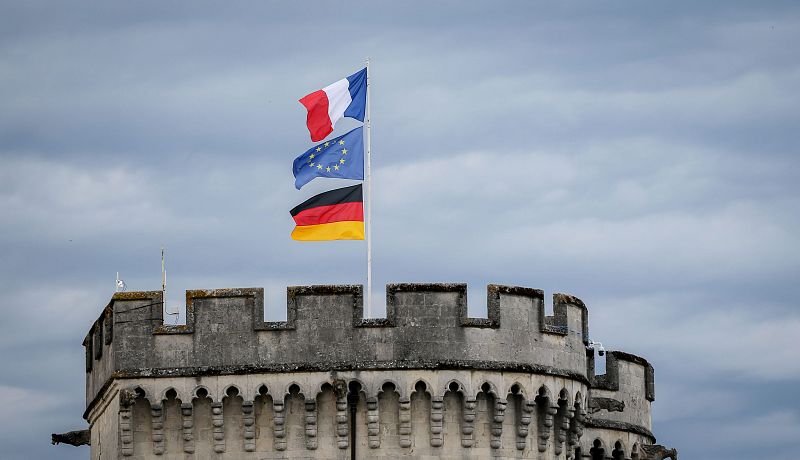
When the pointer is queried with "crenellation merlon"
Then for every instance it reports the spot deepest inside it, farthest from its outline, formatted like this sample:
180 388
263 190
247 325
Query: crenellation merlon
570 317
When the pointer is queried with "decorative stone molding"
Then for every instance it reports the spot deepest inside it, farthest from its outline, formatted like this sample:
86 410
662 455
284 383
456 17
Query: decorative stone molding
404 418
437 420
311 423
546 420
249 420
278 423
188 427
468 423
342 425
563 416
576 427
498 415
373 423
157 416
528 409
218 427
127 398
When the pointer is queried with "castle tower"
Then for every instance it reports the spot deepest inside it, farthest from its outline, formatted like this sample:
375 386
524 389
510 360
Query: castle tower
425 382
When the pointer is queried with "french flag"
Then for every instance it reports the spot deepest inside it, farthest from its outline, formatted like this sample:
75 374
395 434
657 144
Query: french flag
345 98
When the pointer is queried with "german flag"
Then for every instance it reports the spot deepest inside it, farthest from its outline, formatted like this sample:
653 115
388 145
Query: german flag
334 215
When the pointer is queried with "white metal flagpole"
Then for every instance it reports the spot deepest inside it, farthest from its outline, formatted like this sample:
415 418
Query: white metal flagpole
368 183
163 283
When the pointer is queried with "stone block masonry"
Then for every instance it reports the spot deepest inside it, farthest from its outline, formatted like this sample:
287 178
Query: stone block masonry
426 381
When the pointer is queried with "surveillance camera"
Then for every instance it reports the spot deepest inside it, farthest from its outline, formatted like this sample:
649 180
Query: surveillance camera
592 345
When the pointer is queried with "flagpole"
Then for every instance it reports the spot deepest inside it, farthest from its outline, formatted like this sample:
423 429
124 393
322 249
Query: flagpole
163 283
368 181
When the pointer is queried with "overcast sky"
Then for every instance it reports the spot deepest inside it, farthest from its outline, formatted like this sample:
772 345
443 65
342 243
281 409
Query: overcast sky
642 156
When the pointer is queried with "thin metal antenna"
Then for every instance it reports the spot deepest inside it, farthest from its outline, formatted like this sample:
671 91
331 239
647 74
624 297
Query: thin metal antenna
175 314
368 183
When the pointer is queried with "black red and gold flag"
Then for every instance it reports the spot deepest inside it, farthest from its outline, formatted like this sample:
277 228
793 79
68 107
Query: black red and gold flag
334 215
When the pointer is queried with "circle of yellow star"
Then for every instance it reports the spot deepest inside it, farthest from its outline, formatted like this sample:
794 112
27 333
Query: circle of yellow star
341 161
311 156
341 142
327 144
319 149
328 169
319 166
336 167
344 151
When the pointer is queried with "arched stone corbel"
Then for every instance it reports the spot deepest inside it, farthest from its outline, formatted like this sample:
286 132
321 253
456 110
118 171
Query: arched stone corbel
404 430
157 424
437 437
218 424
127 398
528 407
373 423
311 423
249 421
468 425
546 423
279 423
576 427
499 414
188 427
563 417
342 427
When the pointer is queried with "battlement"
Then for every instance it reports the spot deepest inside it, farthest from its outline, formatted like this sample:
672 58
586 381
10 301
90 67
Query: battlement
426 327
512 384
621 397
610 381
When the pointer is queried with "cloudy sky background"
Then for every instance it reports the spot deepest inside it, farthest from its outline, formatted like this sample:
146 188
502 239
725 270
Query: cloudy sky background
640 155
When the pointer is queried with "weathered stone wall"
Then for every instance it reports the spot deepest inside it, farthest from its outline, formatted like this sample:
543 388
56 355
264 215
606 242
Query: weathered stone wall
618 421
613 444
426 327
425 382
398 413
626 380
105 428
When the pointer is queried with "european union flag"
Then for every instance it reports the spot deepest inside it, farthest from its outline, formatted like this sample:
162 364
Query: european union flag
341 158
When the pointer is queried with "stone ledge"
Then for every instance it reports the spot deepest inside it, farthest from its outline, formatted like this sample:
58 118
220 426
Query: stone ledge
336 367
619 426
351 366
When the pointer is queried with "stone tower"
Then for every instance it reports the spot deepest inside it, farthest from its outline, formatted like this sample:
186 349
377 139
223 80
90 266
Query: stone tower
425 382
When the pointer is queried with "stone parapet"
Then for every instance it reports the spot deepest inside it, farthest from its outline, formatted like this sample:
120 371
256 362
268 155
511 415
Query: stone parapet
426 327
426 381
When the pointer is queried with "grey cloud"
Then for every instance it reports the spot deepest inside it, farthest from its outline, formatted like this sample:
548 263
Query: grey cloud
640 156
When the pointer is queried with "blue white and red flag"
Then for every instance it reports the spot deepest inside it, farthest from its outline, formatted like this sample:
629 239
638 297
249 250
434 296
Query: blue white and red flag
345 98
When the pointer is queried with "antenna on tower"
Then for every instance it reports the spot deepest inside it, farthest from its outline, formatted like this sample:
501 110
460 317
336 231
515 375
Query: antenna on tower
163 278
120 284
167 311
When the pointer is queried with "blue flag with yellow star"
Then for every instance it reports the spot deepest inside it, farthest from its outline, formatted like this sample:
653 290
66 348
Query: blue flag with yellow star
341 158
